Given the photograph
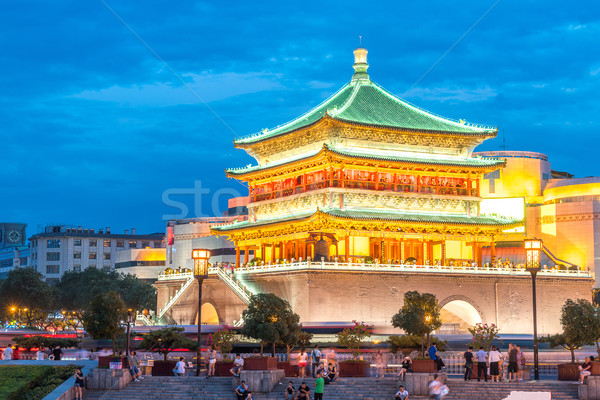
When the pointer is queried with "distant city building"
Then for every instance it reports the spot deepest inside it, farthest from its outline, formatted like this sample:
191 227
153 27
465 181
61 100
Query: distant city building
144 263
59 249
14 252
183 235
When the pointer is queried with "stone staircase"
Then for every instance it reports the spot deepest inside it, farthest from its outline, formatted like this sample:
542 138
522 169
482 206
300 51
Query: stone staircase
473 390
188 388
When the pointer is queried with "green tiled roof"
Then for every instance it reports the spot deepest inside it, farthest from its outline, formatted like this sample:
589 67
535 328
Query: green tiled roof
464 162
383 215
364 102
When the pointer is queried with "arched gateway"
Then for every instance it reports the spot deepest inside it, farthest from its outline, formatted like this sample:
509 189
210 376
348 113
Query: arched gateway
459 313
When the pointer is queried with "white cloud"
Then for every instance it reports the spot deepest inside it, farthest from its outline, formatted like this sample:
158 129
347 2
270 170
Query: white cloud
454 93
208 86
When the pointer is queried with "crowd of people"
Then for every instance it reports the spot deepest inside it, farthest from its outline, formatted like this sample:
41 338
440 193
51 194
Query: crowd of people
44 353
502 367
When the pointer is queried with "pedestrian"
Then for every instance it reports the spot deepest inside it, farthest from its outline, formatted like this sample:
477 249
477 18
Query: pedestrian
433 354
179 369
379 364
303 392
401 394
436 388
405 366
520 363
585 369
238 365
468 356
302 361
242 391
57 353
290 391
41 354
332 372
8 352
79 384
316 359
513 362
212 361
319 387
494 358
481 364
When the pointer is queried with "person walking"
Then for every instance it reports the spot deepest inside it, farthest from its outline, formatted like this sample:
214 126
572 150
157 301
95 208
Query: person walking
79 384
57 353
468 356
319 387
481 364
212 361
41 354
8 352
302 361
316 359
494 358
436 388
513 362
379 364
179 369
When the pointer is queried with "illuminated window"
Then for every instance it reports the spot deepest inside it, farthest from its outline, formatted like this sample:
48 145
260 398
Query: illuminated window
53 244
92 255
107 243
120 243
93 243
132 244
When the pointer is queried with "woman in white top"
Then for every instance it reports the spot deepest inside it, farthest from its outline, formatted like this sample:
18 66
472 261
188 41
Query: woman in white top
302 361
494 358
212 361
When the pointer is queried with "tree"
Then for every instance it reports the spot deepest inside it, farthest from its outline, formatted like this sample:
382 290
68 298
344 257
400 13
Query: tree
269 319
352 337
419 315
102 320
581 326
43 341
304 339
484 335
222 340
26 298
166 340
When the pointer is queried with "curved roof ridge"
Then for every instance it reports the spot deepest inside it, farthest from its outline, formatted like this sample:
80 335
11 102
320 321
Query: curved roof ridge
306 115
348 101
427 113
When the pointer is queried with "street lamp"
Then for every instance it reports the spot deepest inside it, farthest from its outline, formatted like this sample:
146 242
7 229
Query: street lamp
129 322
533 253
200 257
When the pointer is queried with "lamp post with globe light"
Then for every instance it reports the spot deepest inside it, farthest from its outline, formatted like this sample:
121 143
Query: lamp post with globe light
533 253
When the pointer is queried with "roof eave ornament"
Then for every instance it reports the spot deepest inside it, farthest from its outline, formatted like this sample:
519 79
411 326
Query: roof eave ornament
360 65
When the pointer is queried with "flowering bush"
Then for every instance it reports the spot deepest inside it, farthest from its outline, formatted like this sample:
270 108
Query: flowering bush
222 340
484 335
352 337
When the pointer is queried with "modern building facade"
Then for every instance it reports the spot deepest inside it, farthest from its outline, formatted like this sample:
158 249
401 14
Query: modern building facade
59 249
14 252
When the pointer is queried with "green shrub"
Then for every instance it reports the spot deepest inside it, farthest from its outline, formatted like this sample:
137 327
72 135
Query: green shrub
31 382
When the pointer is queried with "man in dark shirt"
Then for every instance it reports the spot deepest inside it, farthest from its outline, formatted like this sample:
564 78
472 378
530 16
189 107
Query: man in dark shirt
513 366
303 392
468 363
57 352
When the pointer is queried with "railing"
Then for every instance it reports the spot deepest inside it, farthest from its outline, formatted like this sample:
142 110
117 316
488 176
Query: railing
448 190
178 294
145 320
241 291
404 268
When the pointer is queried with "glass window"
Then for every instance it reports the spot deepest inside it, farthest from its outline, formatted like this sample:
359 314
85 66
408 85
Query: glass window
92 255
120 243
52 269
77 255
107 243
132 244
77 268
145 244
107 256
53 256
157 244
53 244
77 242
93 243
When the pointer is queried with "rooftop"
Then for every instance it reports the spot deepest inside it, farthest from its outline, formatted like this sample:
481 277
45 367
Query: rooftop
363 102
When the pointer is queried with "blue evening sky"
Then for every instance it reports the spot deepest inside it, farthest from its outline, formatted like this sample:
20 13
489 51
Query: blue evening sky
96 131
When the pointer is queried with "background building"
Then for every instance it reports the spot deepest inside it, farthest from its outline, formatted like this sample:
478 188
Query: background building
59 249
14 252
